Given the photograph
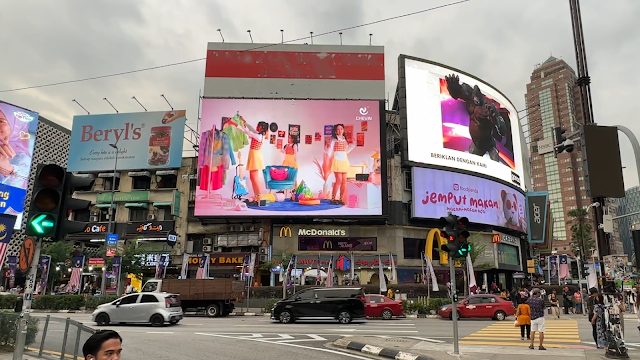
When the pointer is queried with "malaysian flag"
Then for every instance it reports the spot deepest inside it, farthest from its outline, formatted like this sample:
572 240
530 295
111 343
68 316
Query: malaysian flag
6 230
329 282
203 268
76 273
318 273
245 268
393 267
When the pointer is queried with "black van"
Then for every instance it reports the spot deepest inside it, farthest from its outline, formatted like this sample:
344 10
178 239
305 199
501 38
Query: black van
340 303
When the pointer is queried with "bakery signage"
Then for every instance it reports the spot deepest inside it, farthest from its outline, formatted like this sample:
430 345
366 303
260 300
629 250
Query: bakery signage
150 227
222 259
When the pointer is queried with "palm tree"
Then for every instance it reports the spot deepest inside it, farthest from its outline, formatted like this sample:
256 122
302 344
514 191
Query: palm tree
581 229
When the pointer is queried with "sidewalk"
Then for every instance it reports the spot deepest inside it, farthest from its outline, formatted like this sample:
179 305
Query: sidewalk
400 348
9 356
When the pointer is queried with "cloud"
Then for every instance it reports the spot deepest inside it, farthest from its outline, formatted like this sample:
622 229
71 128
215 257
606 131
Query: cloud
499 41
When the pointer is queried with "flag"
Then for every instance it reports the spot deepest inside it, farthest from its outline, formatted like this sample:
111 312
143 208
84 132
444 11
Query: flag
564 267
553 266
423 279
184 272
473 287
318 273
252 265
203 268
329 282
432 273
393 267
115 272
282 269
13 265
383 281
245 264
76 273
6 230
45 264
353 268
160 266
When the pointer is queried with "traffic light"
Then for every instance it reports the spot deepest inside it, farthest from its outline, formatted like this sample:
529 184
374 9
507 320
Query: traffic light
72 183
562 143
455 230
462 235
46 198
585 270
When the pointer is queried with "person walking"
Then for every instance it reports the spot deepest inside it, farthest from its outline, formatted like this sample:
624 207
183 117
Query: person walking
577 296
536 304
598 321
593 292
523 316
553 299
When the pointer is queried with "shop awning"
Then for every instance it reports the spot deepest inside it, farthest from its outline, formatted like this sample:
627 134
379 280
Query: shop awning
105 205
139 173
137 205
163 204
108 175
166 172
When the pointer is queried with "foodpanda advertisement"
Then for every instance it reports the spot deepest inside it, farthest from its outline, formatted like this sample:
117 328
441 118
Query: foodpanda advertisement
437 192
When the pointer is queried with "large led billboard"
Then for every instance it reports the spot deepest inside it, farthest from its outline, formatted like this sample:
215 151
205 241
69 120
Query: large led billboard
144 140
438 192
17 139
458 121
289 158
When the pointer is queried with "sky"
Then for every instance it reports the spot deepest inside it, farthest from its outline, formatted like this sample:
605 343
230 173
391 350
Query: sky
499 41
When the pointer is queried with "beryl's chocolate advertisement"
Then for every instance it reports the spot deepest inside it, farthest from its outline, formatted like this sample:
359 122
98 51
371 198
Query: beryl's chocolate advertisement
289 157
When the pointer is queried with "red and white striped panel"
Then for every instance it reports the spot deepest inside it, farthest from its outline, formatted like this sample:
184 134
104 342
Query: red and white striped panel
278 71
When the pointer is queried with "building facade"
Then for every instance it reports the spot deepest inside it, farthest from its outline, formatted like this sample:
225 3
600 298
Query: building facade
628 205
51 147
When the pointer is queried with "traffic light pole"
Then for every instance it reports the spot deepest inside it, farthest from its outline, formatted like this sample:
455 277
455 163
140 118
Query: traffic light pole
103 287
23 321
454 305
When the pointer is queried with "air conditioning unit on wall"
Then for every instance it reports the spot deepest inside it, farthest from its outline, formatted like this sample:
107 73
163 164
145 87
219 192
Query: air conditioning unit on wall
207 241
206 248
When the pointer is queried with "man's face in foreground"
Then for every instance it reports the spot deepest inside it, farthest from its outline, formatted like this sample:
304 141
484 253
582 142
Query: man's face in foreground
110 350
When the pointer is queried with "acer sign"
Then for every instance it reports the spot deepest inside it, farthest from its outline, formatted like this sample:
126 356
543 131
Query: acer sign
537 209
146 140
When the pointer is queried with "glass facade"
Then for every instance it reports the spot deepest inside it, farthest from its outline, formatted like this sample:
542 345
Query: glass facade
627 205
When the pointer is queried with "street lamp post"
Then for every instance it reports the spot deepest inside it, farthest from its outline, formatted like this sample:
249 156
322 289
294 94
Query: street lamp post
103 288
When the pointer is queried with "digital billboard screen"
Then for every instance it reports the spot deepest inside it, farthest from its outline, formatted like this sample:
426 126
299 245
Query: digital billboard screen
289 157
144 140
438 192
455 120
17 140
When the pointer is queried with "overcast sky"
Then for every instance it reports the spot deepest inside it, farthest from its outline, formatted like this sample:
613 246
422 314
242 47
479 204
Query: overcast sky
497 40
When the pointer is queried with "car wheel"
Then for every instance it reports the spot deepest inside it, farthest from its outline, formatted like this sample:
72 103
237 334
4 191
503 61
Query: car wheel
457 316
156 320
344 317
285 317
102 319
387 314
500 315
213 310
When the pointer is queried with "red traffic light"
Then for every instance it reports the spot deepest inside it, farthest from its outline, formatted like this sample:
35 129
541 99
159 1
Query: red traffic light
51 176
463 222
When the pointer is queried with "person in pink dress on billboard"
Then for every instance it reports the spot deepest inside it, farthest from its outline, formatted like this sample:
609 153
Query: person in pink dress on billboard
15 156
255 163
338 149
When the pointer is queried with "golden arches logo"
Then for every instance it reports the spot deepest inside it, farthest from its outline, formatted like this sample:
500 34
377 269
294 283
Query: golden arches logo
327 244
435 238
286 231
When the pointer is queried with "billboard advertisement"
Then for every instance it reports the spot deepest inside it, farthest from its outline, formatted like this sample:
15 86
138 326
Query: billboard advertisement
458 121
294 71
144 140
17 140
537 216
437 192
286 157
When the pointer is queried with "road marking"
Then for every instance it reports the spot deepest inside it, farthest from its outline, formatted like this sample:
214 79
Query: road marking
365 330
558 334
160 332
296 325
296 345
426 339
193 324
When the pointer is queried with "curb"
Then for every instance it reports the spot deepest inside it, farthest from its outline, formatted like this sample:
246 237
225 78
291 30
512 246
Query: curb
244 314
61 311
378 351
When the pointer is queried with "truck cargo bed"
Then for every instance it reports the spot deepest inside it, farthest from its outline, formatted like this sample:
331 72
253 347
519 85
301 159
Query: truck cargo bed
205 289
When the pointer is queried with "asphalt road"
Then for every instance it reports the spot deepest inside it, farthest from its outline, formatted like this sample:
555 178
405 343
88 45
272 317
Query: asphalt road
247 337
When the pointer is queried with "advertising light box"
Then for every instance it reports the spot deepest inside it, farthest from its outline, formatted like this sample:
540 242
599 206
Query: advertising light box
437 192
455 120
145 140
286 157
17 140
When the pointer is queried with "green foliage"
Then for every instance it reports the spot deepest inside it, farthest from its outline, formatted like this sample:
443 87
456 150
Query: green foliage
8 330
8 301
275 261
269 305
133 259
425 306
581 230
59 251
58 302
92 302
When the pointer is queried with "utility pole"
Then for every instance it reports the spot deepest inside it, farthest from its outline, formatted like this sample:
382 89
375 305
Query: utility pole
25 315
454 305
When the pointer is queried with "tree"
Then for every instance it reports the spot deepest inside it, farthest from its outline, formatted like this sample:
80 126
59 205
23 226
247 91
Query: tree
282 260
581 229
477 249
133 259
60 252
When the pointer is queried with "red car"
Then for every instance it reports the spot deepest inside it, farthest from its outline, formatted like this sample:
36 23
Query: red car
480 306
382 306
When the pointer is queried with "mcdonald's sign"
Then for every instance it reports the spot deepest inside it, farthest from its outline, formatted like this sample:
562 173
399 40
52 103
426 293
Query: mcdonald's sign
327 244
285 231
434 238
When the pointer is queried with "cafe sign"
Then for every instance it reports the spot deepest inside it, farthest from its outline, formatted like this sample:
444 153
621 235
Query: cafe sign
150 227
95 229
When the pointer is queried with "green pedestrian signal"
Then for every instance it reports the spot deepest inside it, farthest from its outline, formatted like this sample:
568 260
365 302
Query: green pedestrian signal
42 223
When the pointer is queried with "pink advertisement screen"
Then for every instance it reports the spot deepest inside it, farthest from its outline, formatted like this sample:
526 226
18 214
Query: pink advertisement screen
289 157
437 192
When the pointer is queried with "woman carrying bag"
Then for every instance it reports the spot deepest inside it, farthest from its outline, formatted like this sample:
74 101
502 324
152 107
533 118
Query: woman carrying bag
523 316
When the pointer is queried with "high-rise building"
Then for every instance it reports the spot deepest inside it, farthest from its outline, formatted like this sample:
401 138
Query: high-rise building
553 100
628 205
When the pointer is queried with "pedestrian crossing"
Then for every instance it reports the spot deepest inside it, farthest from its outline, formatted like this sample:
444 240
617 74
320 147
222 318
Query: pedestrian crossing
558 334
278 338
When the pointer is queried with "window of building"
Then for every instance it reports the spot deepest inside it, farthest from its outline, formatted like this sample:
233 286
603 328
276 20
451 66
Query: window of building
103 215
165 214
168 182
580 178
109 181
192 189
82 215
141 183
413 248
138 214
408 185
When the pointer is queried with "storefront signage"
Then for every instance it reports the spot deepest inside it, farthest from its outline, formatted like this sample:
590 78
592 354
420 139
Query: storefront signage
500 238
152 259
150 227
337 244
95 229
95 261
360 260
222 259
289 231
134 196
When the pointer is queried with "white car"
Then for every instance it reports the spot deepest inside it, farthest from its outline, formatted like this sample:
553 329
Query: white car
154 308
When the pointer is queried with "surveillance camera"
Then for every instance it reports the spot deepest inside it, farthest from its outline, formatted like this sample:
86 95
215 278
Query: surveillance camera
595 204
568 145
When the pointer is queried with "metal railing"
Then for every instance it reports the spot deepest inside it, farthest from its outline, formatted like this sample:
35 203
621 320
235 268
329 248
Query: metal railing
58 337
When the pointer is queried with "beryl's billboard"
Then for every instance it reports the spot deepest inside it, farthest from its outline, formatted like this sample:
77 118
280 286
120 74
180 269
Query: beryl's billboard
17 140
285 157
145 140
